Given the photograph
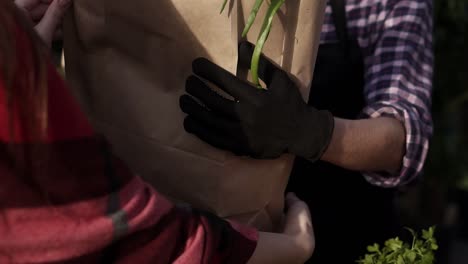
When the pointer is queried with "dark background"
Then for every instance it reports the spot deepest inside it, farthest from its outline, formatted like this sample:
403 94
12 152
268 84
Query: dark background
441 196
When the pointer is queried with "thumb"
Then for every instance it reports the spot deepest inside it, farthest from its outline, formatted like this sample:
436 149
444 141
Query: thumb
291 198
52 19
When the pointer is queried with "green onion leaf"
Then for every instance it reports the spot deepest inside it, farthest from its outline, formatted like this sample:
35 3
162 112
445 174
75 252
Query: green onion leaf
252 16
224 6
266 28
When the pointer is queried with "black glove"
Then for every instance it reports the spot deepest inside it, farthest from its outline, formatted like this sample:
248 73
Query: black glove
259 123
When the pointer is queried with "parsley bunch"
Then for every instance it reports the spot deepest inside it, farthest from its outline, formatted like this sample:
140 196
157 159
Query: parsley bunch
395 251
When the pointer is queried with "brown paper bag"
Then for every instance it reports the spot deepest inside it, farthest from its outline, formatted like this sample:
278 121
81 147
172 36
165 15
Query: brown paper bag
127 62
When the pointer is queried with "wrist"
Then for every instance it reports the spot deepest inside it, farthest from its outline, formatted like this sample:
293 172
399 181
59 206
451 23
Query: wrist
367 145
314 134
332 151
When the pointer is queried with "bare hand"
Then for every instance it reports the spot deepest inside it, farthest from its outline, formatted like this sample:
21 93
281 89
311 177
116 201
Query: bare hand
298 224
46 15
295 244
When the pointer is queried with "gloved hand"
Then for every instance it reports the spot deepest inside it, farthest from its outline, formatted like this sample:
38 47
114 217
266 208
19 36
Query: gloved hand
261 123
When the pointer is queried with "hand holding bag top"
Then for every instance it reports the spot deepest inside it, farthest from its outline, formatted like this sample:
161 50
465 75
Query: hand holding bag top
128 61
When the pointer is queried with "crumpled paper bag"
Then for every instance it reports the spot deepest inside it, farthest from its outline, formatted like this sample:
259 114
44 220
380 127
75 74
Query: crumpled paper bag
127 62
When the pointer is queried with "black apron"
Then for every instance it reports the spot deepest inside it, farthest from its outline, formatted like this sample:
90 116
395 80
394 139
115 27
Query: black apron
348 213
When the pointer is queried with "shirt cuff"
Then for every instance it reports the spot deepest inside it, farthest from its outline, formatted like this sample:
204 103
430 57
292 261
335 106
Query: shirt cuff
417 142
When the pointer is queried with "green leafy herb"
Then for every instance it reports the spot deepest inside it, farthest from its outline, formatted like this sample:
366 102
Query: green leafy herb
395 251
275 5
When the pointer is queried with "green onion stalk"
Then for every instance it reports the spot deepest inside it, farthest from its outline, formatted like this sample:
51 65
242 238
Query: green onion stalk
275 5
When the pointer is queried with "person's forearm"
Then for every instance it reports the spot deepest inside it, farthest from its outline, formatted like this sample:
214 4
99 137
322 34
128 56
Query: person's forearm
275 248
367 145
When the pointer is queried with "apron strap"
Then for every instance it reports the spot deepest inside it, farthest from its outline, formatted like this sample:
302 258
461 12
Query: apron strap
339 20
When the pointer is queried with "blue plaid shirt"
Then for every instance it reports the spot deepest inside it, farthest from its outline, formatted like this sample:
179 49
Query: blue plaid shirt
395 37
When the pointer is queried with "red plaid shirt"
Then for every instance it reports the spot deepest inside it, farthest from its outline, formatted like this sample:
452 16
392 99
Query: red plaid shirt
84 206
